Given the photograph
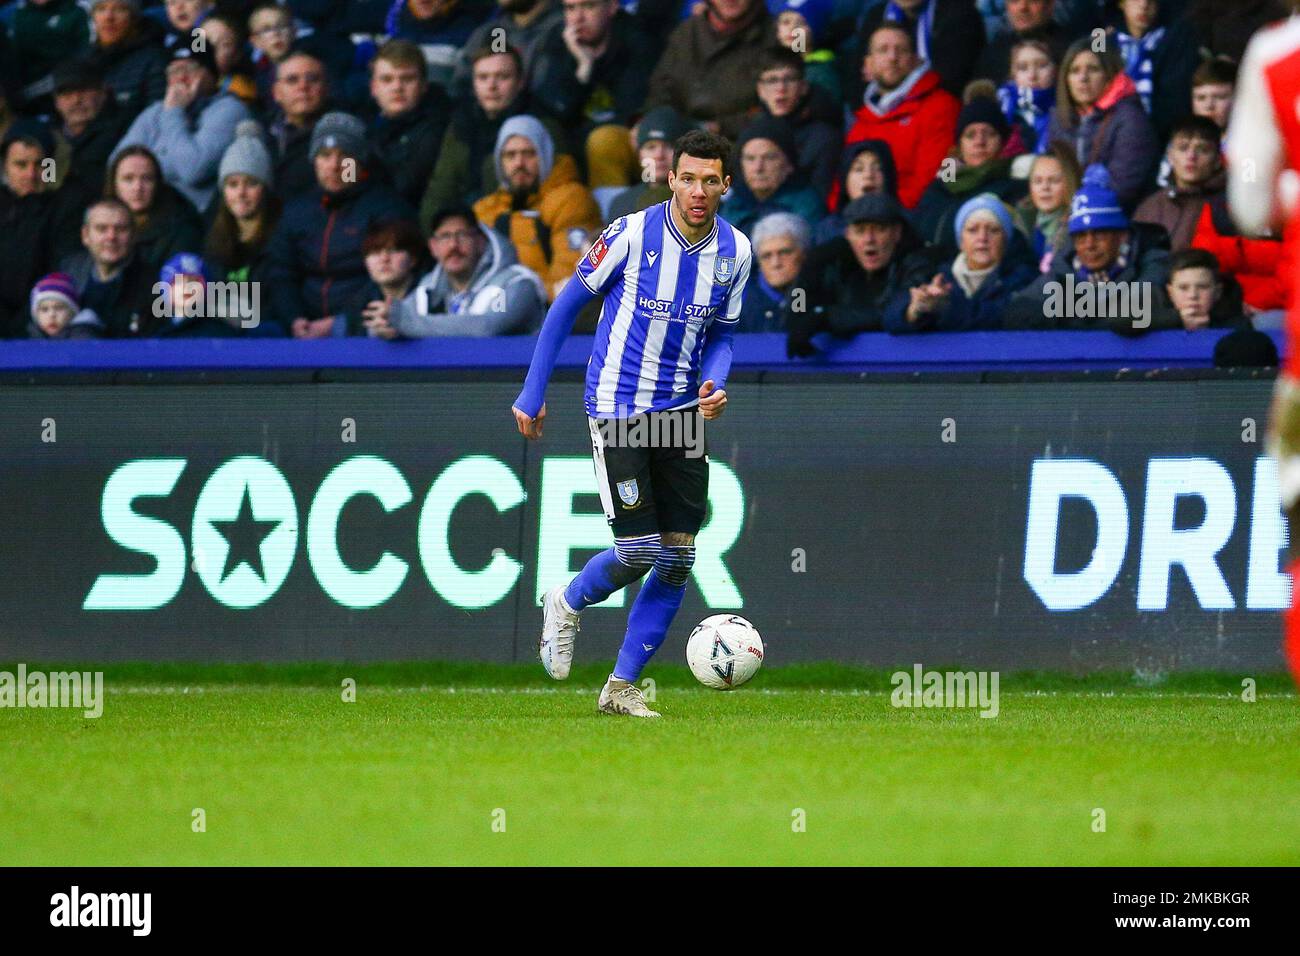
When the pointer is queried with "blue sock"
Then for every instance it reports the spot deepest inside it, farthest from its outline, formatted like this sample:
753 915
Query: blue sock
647 624
600 577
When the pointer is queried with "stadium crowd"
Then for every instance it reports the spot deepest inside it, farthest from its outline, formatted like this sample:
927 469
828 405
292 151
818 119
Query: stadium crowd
414 168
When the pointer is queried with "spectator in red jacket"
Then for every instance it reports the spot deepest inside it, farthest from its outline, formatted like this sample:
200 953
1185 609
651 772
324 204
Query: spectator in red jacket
1256 264
906 107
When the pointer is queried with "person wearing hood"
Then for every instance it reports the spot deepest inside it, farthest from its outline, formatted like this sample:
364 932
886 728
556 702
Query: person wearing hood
1106 249
947 34
814 119
549 216
905 106
1197 177
190 128
466 168
91 121
478 287
410 117
710 64
1160 55
1099 114
865 167
769 179
316 269
971 292
802 26
982 132
850 281
128 52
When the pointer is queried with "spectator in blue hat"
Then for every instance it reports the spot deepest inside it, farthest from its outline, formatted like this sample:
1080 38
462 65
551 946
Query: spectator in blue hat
181 304
1106 248
971 292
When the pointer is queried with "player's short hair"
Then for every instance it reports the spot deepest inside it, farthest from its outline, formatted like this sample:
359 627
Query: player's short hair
401 53
781 58
702 144
509 50
452 212
1194 259
1197 127
1219 71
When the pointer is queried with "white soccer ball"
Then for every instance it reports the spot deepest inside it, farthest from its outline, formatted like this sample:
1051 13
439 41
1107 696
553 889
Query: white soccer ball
724 651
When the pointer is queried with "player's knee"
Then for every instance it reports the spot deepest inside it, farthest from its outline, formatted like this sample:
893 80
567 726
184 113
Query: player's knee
637 554
673 566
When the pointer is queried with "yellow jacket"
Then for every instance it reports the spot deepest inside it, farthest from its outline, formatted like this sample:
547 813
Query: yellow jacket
553 231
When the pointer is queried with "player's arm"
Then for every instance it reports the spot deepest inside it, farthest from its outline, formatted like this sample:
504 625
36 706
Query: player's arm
1255 150
530 406
715 361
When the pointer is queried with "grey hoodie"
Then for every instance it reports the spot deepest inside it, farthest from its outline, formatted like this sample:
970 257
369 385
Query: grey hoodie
531 128
503 298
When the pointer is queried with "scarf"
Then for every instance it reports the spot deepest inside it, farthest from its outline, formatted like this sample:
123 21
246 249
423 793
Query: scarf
924 25
1138 61
970 279
1024 105
1109 274
882 103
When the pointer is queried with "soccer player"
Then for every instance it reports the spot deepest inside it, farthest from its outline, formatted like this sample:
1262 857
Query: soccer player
1263 190
671 278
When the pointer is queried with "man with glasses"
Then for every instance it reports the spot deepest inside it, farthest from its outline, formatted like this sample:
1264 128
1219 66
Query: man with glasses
478 287
809 111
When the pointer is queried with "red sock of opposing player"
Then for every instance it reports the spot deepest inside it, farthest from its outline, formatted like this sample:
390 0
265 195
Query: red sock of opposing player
1291 624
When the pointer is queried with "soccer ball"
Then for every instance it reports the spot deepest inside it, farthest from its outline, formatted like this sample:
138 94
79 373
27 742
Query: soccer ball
724 651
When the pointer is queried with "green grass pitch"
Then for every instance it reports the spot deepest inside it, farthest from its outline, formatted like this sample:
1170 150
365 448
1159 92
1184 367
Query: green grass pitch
475 764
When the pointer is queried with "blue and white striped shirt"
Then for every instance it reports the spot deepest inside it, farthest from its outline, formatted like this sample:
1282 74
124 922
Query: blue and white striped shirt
661 293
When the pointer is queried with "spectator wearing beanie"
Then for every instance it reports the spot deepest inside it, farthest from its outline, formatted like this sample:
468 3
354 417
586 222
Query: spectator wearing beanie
769 180
980 167
947 34
56 314
814 119
656 133
550 218
191 127
316 268
971 292
1106 248
803 26
588 71
247 210
1160 55
905 106
187 310
44 36
710 65
865 167
1197 176
1098 113
165 221
128 52
37 224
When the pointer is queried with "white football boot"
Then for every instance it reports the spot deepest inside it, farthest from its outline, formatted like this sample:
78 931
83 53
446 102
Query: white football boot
559 631
621 697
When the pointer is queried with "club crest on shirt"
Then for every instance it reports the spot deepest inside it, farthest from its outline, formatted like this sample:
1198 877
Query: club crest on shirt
723 267
628 492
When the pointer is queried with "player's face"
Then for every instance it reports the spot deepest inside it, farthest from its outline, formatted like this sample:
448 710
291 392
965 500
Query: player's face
1213 100
1098 248
1193 293
698 187
1026 15
873 243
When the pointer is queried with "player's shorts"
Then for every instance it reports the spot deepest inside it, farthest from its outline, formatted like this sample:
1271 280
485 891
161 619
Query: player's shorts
1284 438
652 471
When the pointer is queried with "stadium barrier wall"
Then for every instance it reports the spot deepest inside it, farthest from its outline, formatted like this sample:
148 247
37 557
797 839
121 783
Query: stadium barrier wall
1046 522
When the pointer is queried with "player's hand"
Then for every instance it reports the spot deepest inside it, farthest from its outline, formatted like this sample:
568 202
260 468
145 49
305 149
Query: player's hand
530 427
712 402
